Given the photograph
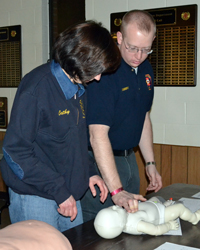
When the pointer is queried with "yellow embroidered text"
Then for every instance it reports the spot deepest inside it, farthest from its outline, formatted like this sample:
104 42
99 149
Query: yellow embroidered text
64 112
82 108
126 88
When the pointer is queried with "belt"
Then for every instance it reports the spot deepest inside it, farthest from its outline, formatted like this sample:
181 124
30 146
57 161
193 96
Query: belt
118 152
123 152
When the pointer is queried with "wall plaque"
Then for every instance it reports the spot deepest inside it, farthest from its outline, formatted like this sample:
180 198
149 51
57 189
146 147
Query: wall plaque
10 56
174 54
3 112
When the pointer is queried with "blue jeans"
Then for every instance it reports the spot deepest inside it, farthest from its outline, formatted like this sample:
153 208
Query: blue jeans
31 207
129 175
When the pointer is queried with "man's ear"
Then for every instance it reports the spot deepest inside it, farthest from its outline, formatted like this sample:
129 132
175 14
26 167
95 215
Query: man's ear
119 37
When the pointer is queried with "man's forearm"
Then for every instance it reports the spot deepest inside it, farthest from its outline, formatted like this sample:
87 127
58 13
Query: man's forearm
146 141
104 156
146 146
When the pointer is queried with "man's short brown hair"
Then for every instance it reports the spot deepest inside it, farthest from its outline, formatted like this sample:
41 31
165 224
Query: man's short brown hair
143 20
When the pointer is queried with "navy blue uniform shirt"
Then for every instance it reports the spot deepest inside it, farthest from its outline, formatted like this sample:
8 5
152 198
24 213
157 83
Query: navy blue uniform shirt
121 100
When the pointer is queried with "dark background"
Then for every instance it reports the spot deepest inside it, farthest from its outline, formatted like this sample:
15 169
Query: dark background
63 14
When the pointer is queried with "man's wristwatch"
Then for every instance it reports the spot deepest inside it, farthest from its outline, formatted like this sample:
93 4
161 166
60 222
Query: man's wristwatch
150 163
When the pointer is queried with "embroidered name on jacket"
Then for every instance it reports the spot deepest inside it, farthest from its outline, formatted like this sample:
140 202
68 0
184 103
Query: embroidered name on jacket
124 89
64 112
82 108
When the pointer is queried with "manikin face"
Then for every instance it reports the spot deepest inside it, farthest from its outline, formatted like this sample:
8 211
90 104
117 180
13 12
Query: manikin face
119 213
133 37
110 222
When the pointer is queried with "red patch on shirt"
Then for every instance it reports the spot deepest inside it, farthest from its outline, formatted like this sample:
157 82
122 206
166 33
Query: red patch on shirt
148 81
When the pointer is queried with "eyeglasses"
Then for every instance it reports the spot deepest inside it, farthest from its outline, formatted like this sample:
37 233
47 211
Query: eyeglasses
134 50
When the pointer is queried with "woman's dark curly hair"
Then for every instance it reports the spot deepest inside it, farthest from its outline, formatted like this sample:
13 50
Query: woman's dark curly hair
86 50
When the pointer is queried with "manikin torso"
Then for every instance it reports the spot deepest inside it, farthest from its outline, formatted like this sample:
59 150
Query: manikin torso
148 211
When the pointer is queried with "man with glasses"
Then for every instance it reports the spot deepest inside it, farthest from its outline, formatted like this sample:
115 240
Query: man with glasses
119 120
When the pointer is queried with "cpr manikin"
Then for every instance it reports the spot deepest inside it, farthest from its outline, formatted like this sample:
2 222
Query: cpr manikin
153 217
32 235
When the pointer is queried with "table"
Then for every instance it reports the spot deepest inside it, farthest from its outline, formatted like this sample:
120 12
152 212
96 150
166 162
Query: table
84 237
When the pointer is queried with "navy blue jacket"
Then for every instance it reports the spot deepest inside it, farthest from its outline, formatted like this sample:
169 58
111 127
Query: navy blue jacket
45 146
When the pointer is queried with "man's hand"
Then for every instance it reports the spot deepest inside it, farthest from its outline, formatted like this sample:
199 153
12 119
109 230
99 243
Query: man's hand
97 180
128 201
154 178
68 208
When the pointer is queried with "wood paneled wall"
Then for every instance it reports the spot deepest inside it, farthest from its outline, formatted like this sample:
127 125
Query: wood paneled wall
2 134
176 164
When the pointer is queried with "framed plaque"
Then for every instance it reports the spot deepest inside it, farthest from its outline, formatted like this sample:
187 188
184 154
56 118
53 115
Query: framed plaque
63 14
3 112
174 57
10 56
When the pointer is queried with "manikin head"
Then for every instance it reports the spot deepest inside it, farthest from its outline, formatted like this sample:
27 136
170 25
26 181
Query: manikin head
136 36
110 222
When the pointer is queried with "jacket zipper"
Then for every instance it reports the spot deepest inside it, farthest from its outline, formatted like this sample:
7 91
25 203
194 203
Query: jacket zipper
77 116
